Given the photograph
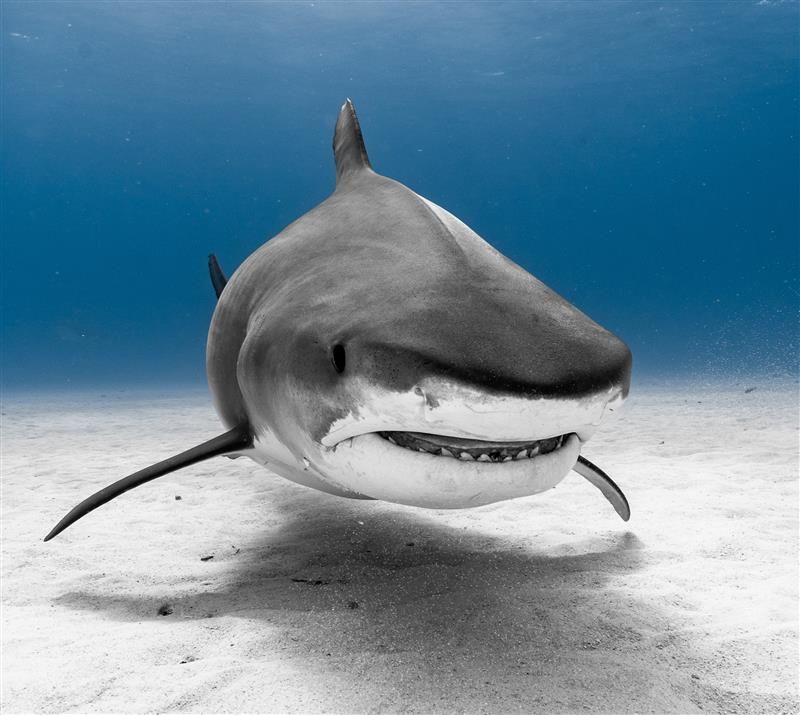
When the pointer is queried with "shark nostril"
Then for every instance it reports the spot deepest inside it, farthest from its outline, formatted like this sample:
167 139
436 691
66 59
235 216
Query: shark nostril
338 358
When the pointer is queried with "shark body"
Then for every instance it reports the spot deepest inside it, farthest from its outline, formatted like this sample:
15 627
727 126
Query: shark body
379 348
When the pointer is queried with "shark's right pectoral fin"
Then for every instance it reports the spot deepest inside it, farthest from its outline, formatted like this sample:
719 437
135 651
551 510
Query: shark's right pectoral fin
596 476
230 442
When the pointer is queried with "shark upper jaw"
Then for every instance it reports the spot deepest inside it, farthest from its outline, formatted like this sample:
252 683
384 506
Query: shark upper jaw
437 407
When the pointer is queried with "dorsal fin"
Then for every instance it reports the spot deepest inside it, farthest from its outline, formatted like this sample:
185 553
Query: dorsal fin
348 144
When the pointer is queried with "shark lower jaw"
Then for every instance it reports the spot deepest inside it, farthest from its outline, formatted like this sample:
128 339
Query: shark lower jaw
372 465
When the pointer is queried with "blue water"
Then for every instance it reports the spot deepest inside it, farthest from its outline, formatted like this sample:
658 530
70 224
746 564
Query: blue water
640 158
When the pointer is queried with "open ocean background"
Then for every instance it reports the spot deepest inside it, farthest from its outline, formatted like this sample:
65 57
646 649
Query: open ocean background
639 158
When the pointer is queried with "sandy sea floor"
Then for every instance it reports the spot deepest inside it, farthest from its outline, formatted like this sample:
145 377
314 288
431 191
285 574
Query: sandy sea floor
250 593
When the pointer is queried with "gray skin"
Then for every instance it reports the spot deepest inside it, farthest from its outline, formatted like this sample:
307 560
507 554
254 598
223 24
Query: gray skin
373 269
379 286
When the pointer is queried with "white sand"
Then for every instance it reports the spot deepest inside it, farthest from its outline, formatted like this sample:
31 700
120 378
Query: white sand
544 604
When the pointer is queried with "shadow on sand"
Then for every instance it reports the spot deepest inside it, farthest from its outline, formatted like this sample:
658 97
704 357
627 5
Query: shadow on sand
383 558
408 607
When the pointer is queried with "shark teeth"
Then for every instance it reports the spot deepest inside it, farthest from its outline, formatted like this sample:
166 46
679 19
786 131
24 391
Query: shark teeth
473 450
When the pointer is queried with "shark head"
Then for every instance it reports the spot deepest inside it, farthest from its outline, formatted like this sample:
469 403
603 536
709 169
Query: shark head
385 350
379 348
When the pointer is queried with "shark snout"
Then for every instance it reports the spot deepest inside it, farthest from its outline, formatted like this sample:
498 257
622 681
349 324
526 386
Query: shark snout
484 386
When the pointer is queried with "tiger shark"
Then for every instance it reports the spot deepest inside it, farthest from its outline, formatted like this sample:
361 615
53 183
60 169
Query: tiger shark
379 348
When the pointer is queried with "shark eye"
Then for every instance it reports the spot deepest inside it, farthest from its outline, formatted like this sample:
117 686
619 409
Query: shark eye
337 358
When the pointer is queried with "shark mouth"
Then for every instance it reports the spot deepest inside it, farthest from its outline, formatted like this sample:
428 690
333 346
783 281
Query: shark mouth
472 450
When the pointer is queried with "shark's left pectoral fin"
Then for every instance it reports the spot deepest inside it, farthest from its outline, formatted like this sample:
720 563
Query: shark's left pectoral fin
596 476
236 439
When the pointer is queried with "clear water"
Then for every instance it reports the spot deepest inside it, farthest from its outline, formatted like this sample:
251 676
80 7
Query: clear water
640 158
